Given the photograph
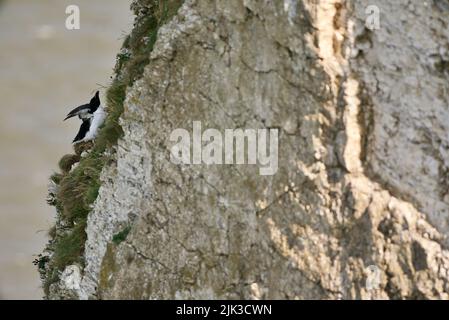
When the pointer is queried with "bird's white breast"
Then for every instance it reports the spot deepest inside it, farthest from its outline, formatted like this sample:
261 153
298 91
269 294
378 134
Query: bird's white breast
97 120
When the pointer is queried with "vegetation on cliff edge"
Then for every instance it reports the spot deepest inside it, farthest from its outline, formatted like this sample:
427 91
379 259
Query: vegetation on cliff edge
76 187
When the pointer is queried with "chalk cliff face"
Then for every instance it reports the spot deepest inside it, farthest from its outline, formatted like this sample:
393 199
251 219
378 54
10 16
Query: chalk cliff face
359 206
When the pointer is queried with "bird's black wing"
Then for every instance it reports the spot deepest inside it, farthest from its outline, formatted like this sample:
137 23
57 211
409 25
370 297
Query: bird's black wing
78 110
85 126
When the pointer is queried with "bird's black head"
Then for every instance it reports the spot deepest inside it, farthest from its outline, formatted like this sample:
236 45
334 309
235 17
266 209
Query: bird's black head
95 101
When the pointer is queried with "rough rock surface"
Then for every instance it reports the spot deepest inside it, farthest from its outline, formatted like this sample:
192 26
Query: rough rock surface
359 207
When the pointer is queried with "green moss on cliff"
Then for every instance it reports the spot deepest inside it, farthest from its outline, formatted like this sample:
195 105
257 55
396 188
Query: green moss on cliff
121 236
79 181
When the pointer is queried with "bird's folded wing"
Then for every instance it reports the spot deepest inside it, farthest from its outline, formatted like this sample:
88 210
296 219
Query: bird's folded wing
82 131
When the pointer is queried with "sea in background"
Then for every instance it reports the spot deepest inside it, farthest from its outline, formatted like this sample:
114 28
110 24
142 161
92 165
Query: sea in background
45 71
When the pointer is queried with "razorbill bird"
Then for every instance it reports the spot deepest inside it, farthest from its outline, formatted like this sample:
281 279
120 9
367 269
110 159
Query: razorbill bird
86 110
89 128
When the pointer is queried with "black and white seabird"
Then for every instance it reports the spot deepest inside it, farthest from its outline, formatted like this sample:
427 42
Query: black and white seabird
94 124
86 111
91 123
